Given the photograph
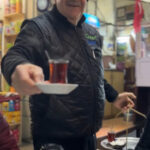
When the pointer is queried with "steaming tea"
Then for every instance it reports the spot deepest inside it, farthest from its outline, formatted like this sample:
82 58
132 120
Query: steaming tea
58 71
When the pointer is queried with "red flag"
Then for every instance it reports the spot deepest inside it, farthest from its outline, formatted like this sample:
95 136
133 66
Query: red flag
138 15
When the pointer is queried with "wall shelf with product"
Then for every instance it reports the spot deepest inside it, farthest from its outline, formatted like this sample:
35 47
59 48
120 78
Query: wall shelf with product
14 15
10 107
1 29
11 35
10 102
13 18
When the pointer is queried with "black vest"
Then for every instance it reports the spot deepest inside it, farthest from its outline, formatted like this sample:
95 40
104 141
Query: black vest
79 113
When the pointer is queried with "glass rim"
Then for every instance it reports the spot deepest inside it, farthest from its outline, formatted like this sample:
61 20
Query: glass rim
56 61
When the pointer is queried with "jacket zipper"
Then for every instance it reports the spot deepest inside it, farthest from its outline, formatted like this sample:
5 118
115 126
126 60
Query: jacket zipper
93 54
92 80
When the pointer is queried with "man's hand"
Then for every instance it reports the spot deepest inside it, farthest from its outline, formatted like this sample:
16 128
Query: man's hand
124 101
24 78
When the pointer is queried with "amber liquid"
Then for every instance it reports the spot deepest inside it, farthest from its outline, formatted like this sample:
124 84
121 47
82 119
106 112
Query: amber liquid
111 136
58 72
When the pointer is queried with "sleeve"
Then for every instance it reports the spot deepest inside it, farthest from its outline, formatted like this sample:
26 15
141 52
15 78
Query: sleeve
28 41
7 140
110 92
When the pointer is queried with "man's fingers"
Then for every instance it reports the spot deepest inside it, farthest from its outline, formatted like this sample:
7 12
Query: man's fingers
130 102
131 95
25 77
29 87
37 75
29 92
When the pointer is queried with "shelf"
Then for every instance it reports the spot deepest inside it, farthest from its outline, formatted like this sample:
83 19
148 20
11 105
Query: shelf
5 99
11 35
14 125
8 40
14 15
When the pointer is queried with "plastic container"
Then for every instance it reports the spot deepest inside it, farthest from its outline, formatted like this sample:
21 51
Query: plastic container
19 6
13 6
12 89
5 106
7 7
17 105
128 116
8 116
11 105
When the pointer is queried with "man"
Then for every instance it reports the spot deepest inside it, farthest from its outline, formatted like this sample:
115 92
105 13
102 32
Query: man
65 121
7 140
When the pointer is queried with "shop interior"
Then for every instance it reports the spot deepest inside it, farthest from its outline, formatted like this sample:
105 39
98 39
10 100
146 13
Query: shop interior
126 58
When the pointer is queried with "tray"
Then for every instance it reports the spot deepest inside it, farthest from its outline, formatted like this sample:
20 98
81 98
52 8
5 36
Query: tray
131 144
56 88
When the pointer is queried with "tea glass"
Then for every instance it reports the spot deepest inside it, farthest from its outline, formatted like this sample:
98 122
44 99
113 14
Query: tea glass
58 70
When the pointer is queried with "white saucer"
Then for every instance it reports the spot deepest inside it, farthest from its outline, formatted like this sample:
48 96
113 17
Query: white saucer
131 144
56 88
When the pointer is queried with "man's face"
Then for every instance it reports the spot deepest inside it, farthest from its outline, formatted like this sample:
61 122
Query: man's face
71 8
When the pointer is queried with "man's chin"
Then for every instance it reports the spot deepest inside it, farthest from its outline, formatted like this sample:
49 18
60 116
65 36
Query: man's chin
75 16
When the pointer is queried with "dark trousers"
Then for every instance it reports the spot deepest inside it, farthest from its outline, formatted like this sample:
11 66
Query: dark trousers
84 143
144 143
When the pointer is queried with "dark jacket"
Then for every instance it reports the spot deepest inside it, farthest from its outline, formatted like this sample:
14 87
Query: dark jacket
144 143
7 140
79 113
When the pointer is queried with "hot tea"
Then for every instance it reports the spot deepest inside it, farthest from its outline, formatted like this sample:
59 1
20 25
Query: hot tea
111 136
58 71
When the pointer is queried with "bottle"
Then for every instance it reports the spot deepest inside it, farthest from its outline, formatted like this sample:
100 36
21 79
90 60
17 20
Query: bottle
18 6
13 6
7 7
17 105
12 89
5 106
11 105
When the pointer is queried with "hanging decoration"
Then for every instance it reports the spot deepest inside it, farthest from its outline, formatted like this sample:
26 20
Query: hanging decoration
138 15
